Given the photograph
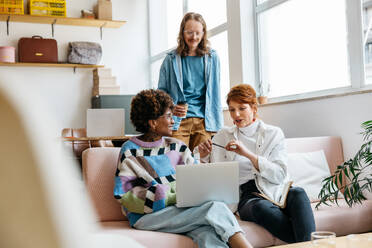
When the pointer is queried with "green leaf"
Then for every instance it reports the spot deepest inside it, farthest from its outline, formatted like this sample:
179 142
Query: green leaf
340 178
346 171
353 169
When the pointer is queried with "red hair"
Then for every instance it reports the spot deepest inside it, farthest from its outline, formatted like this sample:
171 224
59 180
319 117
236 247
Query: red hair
242 93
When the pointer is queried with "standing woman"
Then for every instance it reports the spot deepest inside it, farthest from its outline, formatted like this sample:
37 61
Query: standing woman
145 180
261 152
190 74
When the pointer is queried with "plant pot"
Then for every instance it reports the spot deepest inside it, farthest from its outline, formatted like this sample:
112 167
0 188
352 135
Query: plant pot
262 99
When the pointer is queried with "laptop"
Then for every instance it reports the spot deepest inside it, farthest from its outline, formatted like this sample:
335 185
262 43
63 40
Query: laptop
105 122
117 101
200 183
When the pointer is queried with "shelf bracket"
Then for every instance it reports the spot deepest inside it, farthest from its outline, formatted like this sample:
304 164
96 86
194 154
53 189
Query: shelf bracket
54 22
74 69
7 25
101 29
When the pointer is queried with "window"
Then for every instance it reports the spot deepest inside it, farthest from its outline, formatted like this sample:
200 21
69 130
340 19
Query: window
300 52
213 16
367 26
309 46
165 18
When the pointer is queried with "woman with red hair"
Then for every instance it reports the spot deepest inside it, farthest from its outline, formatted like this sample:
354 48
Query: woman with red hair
261 152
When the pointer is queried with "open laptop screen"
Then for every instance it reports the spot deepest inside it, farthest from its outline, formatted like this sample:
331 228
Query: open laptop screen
117 101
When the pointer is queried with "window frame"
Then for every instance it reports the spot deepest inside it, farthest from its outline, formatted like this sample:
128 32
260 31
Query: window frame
355 40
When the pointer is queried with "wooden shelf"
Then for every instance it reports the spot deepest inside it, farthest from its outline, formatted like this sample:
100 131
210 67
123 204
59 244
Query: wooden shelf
62 21
50 65
123 138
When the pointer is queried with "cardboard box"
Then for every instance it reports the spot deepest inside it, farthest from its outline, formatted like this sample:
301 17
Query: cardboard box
105 81
103 10
102 72
109 90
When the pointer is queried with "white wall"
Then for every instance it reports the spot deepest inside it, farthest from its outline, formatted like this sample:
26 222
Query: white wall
338 116
67 95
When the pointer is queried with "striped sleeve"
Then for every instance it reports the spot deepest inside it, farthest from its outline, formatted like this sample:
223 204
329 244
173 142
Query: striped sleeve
138 191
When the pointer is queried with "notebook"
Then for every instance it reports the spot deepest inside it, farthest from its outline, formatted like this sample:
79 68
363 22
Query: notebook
105 122
282 203
197 184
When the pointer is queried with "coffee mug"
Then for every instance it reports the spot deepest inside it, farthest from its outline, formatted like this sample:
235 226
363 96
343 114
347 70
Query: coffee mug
185 106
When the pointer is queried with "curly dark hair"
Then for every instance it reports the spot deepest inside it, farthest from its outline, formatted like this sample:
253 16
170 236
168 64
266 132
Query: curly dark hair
148 105
203 47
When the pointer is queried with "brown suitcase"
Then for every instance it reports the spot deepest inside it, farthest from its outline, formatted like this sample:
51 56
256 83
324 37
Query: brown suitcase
38 50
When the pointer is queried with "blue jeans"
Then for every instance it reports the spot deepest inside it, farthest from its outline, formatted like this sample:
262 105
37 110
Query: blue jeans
292 224
209 225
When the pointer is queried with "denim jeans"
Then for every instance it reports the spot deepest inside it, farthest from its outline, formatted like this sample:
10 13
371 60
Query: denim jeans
292 224
209 225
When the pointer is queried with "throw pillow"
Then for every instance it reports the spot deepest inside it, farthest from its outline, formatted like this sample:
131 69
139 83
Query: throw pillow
307 170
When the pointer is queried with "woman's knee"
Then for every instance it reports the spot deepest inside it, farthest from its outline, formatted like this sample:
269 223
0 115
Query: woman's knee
298 194
253 210
219 205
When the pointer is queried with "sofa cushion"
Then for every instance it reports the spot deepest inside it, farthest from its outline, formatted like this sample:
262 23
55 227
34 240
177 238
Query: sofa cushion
257 235
342 219
307 170
149 238
331 145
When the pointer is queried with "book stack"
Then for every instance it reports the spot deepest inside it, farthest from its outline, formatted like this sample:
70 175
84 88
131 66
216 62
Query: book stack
104 83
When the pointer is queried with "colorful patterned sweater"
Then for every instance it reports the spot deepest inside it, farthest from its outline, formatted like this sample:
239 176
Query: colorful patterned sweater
145 179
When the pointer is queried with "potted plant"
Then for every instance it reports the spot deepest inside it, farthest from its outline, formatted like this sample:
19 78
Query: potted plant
358 172
263 91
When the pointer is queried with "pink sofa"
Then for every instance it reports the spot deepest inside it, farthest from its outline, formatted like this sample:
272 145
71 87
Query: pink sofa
99 165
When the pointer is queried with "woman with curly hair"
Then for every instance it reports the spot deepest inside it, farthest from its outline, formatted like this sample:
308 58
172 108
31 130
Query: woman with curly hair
145 182
190 74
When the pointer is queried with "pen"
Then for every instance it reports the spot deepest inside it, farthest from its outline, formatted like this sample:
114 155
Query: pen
233 146
218 145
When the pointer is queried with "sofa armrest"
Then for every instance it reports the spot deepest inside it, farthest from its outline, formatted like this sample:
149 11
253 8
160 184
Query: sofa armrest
99 166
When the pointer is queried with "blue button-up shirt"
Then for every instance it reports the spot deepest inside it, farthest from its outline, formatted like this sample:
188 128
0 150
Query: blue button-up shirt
171 81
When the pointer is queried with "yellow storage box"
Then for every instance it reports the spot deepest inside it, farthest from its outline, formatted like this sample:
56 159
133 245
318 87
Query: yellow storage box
11 7
48 7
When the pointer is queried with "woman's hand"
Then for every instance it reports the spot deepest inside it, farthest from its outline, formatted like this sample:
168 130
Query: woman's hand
239 148
180 110
205 148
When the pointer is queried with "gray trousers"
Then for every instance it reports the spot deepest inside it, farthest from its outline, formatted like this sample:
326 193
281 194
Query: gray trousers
209 225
